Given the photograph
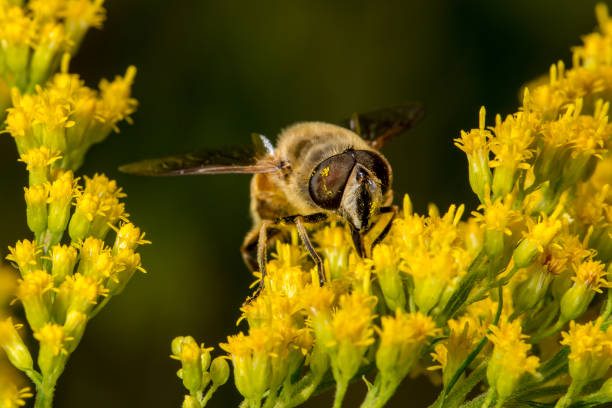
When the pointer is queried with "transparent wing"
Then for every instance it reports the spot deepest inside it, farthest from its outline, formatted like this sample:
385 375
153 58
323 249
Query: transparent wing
239 159
380 126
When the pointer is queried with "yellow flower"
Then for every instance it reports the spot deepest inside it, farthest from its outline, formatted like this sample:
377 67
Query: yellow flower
335 249
79 293
115 103
26 255
68 117
351 333
464 334
271 305
129 237
591 274
509 360
61 192
12 397
402 338
591 350
263 358
388 274
53 342
63 259
35 292
38 163
476 146
79 15
435 258
538 235
18 30
512 148
496 219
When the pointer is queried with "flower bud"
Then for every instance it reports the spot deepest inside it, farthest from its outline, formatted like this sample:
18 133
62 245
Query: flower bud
219 371
205 359
74 327
177 344
51 39
575 301
504 178
63 259
87 206
192 365
494 242
128 237
36 207
319 361
16 351
529 293
127 262
35 293
60 198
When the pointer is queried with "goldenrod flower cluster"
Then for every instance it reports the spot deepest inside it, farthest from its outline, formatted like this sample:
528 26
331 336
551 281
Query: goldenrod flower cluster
482 299
36 35
84 249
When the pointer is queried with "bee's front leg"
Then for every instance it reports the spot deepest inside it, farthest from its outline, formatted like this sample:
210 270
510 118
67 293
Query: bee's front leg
262 244
385 210
299 223
357 240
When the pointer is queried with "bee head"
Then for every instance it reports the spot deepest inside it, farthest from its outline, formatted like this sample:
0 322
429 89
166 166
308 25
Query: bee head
352 184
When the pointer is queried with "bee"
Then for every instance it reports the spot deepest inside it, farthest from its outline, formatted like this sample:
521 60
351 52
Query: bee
317 171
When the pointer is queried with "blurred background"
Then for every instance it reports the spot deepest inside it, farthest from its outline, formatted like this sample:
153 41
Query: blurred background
209 74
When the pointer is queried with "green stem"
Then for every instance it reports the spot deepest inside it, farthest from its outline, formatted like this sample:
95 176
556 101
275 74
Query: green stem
300 392
208 395
463 388
489 398
572 392
100 306
35 377
44 393
440 402
378 396
462 292
340 392
606 309
549 332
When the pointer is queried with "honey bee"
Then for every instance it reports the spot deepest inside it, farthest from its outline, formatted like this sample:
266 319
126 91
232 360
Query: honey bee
317 171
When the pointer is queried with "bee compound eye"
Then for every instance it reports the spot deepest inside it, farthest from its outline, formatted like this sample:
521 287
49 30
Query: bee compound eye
376 164
329 178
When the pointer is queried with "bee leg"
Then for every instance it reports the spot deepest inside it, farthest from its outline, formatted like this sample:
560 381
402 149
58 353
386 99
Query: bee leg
357 240
249 249
262 248
386 210
299 223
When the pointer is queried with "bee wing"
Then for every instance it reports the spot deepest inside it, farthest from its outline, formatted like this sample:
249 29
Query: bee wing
239 159
380 126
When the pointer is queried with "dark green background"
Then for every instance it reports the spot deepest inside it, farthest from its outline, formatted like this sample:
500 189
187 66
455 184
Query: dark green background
210 73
